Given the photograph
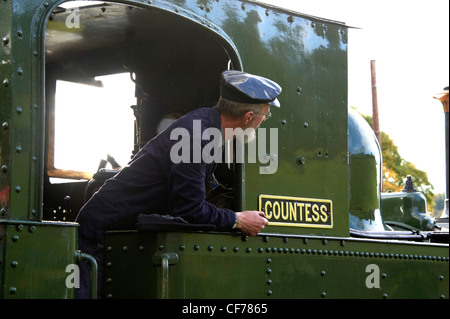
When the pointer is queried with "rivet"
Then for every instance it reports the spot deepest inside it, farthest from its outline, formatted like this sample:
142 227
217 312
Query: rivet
268 271
161 247
18 189
291 19
3 211
268 260
383 275
244 238
19 33
305 125
19 71
182 247
266 239
313 25
15 238
32 229
12 290
248 250
196 247
442 296
441 277
141 248
268 249
323 294
5 82
109 280
19 110
5 40
223 248
18 148
4 168
260 250
108 264
5 125
286 240
210 248
267 13
269 292
325 242
269 282
323 273
125 248
236 249
243 6
301 161
14 264
19 227
385 295
283 122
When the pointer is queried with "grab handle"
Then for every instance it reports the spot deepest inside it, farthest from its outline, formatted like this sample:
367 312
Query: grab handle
79 256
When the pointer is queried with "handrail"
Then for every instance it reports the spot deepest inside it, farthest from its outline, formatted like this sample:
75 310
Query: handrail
79 256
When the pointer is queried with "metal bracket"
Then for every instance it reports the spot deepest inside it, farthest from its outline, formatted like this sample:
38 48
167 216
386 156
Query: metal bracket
172 258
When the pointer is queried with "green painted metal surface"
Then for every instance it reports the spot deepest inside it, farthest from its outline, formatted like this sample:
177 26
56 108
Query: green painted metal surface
272 266
406 210
34 258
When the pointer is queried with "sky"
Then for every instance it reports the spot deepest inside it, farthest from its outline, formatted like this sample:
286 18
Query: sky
409 41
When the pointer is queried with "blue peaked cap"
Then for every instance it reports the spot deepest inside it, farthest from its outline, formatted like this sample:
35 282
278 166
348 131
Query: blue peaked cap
243 87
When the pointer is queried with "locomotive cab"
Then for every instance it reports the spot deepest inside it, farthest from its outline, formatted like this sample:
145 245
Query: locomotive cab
127 71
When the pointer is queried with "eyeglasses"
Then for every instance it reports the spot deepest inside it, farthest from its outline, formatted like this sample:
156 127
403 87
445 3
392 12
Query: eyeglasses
267 116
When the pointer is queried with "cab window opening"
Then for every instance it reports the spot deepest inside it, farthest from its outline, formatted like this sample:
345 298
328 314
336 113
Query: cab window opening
112 85
92 122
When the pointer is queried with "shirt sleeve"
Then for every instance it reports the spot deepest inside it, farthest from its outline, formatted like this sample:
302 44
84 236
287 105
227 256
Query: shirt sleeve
186 182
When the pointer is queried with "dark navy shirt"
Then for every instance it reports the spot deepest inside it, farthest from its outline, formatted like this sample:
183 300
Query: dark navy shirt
153 184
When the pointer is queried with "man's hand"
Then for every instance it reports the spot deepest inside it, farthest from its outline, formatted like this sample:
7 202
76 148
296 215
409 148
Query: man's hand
251 222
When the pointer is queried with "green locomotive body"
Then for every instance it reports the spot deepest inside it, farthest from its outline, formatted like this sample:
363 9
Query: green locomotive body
319 187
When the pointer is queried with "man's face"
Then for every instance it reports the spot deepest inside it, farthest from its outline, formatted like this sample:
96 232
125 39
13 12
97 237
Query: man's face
255 122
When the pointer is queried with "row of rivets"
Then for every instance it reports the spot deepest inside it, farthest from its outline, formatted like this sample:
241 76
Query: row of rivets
268 272
329 252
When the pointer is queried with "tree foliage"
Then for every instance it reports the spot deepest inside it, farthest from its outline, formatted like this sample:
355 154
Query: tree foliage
396 169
